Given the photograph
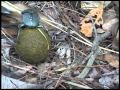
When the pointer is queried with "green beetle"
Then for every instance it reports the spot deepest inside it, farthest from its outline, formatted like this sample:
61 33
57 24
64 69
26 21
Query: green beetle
33 42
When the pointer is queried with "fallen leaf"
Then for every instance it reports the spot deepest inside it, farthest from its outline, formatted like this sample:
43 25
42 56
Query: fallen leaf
113 60
86 25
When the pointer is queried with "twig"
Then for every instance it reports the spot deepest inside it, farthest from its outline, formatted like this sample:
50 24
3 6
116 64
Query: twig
93 25
76 3
25 76
78 85
86 58
18 60
94 52
13 65
14 84
93 66
73 11
82 37
12 7
43 6
63 86
74 53
5 32
89 63
59 80
8 38
79 51
69 20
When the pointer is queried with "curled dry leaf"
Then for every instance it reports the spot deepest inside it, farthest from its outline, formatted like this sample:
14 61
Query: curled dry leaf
86 24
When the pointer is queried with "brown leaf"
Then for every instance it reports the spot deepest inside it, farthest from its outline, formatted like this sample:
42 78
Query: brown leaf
113 60
86 27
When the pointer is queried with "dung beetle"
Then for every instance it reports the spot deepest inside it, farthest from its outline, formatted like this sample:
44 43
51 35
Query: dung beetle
30 18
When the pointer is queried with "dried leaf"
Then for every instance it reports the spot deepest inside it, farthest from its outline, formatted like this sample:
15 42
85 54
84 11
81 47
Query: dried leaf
111 59
114 63
86 25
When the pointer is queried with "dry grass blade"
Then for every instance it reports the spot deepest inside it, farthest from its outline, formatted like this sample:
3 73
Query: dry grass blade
77 85
58 81
11 7
18 67
8 37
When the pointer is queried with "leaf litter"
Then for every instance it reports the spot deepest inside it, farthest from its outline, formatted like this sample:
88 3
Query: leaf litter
63 65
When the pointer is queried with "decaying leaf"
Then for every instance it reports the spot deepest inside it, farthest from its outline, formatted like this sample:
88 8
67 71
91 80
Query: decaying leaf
111 59
86 24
